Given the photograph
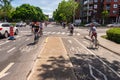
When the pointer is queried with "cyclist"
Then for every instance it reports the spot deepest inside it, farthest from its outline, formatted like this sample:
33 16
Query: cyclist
41 28
36 29
71 27
93 31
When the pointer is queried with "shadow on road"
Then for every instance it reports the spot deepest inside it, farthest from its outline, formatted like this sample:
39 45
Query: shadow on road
89 66
57 70
86 67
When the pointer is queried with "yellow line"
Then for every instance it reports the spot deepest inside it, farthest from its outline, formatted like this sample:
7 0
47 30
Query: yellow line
46 40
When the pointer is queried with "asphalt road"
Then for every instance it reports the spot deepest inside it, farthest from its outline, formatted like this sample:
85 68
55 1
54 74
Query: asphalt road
17 57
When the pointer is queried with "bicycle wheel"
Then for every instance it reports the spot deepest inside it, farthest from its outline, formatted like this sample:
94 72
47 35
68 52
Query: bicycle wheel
36 37
97 44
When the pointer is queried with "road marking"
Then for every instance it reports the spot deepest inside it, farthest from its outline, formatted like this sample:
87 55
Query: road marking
4 43
91 72
70 41
3 72
78 34
58 33
25 31
98 58
68 33
63 33
53 33
86 42
11 50
48 32
27 39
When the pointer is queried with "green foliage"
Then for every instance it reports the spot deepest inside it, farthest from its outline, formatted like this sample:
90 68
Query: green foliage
65 11
5 9
27 12
114 34
105 13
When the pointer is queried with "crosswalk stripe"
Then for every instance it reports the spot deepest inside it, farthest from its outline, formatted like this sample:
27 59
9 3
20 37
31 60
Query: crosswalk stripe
49 32
58 33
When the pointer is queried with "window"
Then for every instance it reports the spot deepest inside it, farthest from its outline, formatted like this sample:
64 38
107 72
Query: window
108 0
115 0
114 12
95 0
6 25
115 6
95 6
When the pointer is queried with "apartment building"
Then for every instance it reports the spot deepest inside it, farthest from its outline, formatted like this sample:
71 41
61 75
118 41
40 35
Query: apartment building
92 10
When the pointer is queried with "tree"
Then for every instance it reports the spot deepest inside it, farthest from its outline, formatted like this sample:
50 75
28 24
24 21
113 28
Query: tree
26 12
65 11
104 15
5 8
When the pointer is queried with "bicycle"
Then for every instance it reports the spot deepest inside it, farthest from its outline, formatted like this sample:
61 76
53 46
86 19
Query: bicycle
94 43
36 37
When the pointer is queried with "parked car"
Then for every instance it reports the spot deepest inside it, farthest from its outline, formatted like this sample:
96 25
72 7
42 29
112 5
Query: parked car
20 24
114 25
95 23
5 29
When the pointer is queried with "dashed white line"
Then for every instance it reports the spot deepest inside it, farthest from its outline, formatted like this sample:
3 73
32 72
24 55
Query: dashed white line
27 39
86 42
70 41
78 34
11 50
4 43
3 72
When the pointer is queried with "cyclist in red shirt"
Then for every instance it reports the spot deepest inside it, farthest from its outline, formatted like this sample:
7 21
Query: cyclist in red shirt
93 31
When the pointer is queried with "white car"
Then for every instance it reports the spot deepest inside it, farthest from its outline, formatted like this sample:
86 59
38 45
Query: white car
95 23
5 29
114 25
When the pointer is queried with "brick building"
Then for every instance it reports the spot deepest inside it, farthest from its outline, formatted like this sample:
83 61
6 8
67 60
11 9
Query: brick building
91 10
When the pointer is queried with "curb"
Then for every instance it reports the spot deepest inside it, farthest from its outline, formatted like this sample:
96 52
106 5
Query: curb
86 37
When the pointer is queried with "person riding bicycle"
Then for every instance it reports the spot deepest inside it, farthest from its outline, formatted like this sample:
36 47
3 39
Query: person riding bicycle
93 31
71 27
36 29
41 28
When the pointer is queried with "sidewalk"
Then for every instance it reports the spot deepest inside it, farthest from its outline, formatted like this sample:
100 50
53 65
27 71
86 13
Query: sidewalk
112 46
52 62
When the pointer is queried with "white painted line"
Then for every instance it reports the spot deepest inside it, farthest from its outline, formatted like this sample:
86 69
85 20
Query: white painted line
11 50
48 32
17 36
27 39
3 72
78 34
73 33
91 72
53 33
44 32
98 58
70 41
58 33
86 42
4 43
63 33
68 33
25 31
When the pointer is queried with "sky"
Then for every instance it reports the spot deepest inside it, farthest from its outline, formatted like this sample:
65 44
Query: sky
47 6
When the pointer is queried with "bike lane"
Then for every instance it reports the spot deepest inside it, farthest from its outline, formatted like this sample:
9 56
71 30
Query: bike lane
53 62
